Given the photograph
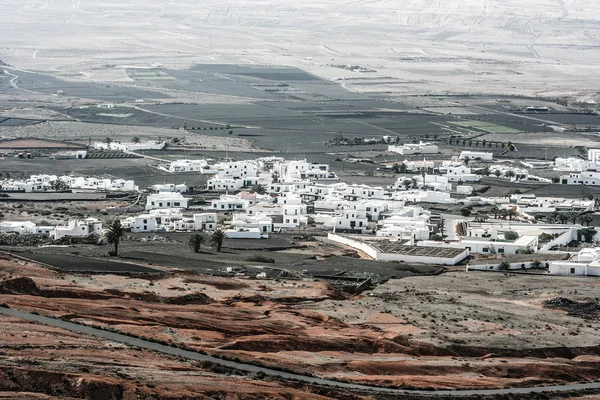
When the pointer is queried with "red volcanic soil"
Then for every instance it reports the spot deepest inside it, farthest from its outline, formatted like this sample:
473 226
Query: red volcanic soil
301 325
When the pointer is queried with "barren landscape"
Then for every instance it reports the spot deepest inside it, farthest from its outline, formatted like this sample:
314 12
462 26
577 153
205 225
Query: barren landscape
422 46
296 315
456 330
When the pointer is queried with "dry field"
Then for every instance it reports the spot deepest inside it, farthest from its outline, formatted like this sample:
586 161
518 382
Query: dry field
415 46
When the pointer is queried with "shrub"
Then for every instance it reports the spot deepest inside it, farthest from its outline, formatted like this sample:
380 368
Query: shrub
510 235
262 259
504 266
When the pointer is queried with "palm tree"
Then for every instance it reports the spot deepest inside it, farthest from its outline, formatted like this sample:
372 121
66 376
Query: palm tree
195 241
406 183
585 219
497 173
495 210
511 212
217 238
509 174
114 234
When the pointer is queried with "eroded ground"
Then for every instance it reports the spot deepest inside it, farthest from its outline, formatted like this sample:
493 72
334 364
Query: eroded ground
455 330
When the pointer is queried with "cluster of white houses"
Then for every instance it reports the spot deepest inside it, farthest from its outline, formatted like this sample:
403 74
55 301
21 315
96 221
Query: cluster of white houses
381 222
44 183
74 228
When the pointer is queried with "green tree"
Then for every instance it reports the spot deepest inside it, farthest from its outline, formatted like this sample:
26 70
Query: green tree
497 173
135 139
258 189
466 161
217 239
196 241
495 210
585 219
509 174
114 234
58 185
511 235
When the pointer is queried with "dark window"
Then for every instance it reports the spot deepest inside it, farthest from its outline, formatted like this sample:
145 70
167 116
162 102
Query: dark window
572 270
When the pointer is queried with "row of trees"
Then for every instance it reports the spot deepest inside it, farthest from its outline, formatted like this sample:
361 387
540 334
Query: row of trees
483 143
116 231
564 217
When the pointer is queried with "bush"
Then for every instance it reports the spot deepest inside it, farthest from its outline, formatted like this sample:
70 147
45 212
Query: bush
465 212
262 259
504 266
536 264
510 235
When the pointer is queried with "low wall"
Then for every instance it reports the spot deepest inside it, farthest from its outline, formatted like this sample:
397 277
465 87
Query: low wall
364 247
496 267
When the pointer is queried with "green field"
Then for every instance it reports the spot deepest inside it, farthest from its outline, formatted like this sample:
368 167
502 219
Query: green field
484 126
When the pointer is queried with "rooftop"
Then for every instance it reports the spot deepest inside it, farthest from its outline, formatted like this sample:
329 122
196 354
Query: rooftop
421 251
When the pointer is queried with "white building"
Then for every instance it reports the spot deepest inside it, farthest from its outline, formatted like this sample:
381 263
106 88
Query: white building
261 222
130 146
303 170
411 149
166 200
245 233
78 228
461 173
169 187
182 166
590 178
18 227
476 155
140 223
587 264
72 154
205 221
349 220
484 246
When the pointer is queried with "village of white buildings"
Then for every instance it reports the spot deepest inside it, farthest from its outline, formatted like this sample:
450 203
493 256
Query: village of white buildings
261 197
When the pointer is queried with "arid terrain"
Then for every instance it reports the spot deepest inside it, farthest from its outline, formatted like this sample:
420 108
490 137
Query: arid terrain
455 330
422 46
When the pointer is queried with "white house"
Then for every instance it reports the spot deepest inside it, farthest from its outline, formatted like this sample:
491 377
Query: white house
485 246
587 264
205 221
461 173
140 223
130 146
19 227
287 170
476 155
182 166
262 222
245 233
169 187
349 220
590 178
78 228
166 200
411 149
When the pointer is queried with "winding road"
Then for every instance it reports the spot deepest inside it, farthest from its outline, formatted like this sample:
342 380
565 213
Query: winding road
190 355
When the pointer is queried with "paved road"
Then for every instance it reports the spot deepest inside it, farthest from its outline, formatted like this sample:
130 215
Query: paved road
190 355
